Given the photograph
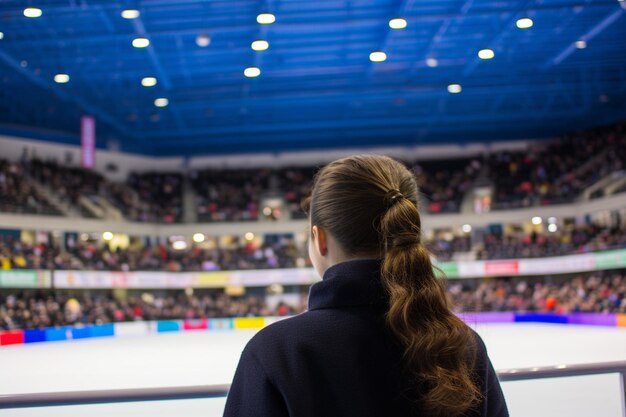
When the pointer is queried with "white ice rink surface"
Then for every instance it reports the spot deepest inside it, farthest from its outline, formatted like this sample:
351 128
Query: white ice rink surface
201 358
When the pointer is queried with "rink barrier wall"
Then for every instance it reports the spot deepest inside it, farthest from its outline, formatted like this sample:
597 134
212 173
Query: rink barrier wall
144 328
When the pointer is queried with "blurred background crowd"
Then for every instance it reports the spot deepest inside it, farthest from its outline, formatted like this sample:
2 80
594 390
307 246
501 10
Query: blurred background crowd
547 173
593 292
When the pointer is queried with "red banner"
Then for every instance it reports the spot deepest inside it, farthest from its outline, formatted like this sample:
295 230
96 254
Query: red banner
88 141
13 337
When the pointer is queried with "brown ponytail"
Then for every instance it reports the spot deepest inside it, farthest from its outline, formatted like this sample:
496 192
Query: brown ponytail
435 340
369 205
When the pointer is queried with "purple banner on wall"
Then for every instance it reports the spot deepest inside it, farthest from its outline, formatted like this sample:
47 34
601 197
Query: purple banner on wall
488 317
88 141
593 319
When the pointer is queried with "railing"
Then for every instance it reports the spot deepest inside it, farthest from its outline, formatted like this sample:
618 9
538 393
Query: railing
50 399
559 371
14 401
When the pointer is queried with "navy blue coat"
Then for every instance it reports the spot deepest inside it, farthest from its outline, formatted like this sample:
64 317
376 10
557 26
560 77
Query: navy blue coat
337 359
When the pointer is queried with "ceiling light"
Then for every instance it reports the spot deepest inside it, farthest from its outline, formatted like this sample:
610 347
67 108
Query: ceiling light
203 40
198 237
454 88
260 45
148 81
130 14
552 227
524 23
32 12
161 102
141 42
249 236
61 78
266 18
581 44
485 54
252 72
536 220
378 56
397 23
551 220
467 228
432 62
107 235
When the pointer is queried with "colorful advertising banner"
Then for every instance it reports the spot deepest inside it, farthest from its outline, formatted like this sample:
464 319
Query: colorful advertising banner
158 280
299 276
538 266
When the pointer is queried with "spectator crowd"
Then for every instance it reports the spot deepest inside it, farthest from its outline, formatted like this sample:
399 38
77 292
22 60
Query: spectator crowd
546 173
598 292
17 195
594 292
559 172
580 239
282 251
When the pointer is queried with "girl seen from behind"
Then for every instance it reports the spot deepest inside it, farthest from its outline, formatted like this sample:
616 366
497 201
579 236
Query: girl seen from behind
379 338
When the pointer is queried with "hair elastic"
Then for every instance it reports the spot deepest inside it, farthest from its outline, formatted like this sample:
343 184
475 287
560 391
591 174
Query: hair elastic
393 196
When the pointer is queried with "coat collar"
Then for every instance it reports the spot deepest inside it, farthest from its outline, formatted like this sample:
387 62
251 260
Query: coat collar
349 284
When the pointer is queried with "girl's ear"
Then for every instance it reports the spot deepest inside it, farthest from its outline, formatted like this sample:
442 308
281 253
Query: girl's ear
320 241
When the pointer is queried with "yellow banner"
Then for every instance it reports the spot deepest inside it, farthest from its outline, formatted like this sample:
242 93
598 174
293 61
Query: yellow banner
249 322
212 279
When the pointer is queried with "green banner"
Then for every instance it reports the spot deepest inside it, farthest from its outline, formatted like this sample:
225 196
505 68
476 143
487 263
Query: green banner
610 260
24 278
449 269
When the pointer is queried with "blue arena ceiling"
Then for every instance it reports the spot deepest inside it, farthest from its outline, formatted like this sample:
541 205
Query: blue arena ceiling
317 87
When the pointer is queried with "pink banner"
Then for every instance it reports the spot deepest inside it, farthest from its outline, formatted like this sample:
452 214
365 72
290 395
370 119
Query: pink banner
88 141
499 268
195 324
